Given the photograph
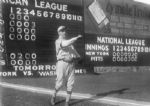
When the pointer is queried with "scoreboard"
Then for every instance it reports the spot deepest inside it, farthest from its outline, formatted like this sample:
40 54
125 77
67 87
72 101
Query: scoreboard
115 50
31 31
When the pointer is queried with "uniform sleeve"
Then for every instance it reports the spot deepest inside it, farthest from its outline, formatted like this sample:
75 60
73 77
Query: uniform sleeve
57 45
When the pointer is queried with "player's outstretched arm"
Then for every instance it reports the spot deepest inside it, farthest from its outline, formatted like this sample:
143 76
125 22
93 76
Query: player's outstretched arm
69 42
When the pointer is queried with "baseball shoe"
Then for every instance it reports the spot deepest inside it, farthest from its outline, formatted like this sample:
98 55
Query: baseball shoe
53 100
66 103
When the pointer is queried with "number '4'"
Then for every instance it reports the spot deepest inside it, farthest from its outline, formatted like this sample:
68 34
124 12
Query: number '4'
32 12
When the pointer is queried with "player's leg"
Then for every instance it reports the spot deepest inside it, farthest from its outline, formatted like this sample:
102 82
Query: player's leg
59 80
70 83
68 97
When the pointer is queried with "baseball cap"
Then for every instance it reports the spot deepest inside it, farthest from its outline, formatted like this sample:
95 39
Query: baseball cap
61 28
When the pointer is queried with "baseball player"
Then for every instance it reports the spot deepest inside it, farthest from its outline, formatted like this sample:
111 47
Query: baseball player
65 66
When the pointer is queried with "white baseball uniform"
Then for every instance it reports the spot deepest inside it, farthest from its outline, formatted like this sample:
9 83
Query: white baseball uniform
65 70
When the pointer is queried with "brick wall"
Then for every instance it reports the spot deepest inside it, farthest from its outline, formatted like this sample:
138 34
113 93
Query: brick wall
130 26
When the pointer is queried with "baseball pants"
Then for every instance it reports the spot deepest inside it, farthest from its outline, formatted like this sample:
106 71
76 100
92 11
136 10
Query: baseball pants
65 75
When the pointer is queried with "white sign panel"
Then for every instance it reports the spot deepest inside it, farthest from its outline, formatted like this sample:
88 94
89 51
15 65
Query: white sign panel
97 12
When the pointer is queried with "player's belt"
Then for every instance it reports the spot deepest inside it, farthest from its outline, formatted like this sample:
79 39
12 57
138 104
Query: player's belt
60 60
